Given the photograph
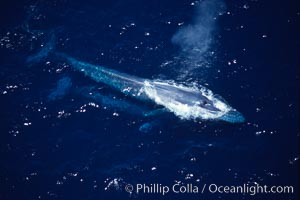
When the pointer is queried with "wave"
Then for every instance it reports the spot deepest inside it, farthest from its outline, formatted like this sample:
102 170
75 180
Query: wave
186 104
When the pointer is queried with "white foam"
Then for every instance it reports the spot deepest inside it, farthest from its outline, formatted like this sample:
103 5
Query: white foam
185 111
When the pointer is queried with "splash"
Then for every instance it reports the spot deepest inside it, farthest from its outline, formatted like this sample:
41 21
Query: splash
190 108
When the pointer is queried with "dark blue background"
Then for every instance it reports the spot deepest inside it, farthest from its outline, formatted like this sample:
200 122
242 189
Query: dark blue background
39 161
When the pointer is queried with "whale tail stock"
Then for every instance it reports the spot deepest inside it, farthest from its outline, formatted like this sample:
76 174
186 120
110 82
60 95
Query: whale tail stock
46 49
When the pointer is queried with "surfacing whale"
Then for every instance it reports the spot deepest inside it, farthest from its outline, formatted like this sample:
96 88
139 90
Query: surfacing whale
186 102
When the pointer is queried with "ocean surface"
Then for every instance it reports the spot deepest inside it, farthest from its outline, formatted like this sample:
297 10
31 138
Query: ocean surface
64 135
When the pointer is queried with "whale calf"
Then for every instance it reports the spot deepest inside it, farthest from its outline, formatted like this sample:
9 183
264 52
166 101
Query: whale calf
186 102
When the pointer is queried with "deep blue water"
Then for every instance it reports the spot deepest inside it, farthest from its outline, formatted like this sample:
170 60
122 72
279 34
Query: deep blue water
65 136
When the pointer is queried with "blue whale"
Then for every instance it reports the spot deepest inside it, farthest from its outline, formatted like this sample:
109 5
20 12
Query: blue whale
185 101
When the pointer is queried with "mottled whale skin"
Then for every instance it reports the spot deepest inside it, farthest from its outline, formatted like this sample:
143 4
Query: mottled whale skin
185 102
